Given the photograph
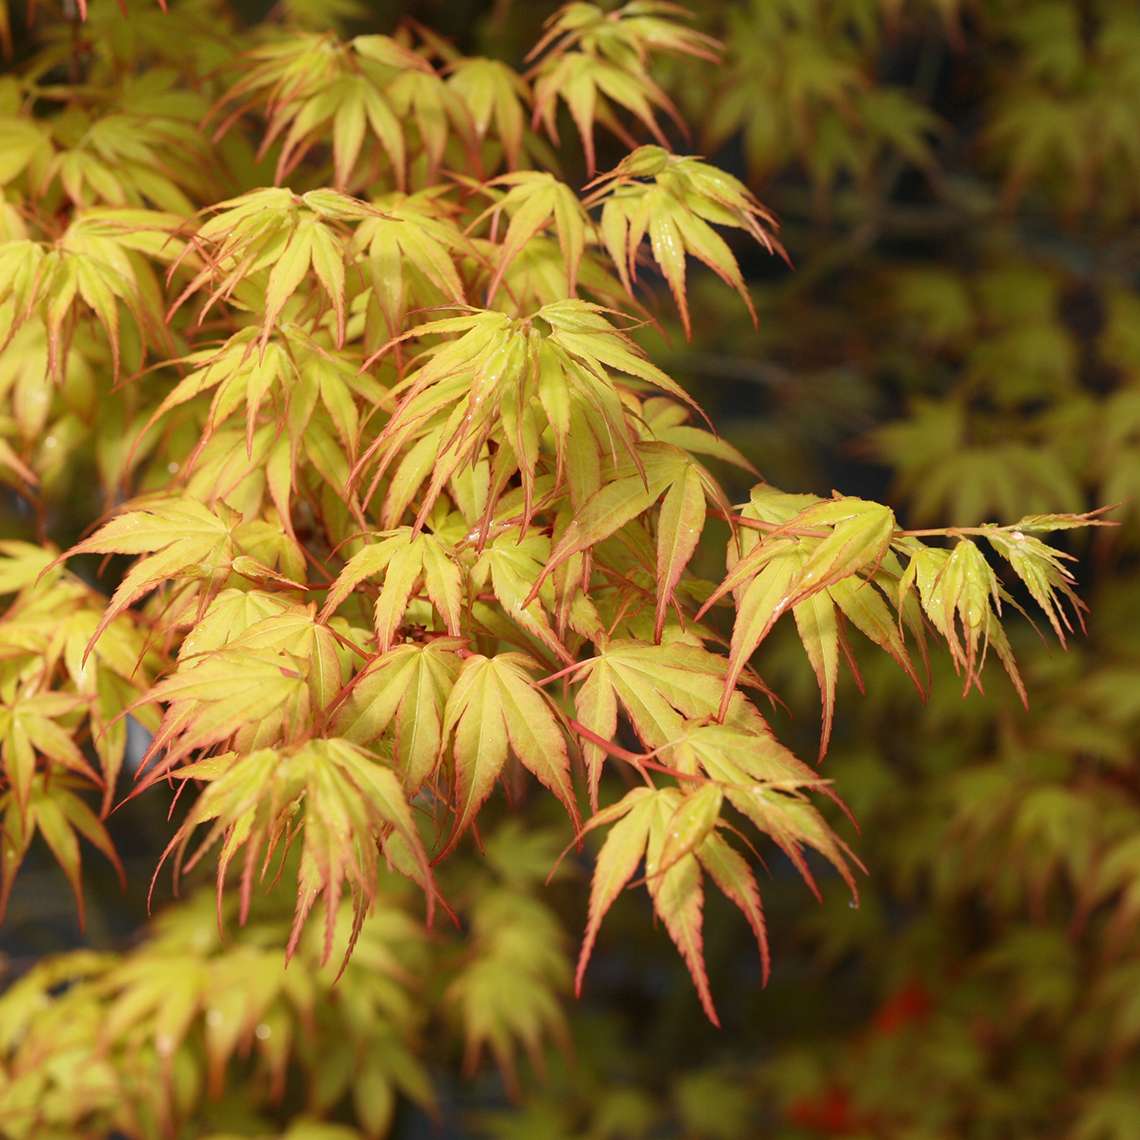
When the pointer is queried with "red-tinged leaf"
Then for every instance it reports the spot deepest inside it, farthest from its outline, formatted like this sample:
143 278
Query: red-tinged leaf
83 820
373 559
403 571
474 715
584 330
660 686
731 873
250 697
957 591
60 817
328 264
348 132
614 229
188 540
19 761
998 641
534 732
289 270
693 820
515 563
861 533
679 526
617 810
678 899
153 526
385 798
858 538
534 200
704 243
52 824
865 608
444 584
595 704
406 690
52 741
769 595
616 503
792 822
819 632
744 755
754 805
94 289
493 705
531 216
617 861
391 53
1044 524
1045 576
669 253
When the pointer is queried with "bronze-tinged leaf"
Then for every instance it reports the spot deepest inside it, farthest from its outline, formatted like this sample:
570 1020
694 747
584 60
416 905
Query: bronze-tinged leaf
818 629
679 526
678 899
864 607
403 693
761 603
494 708
618 859
731 873
693 820
595 705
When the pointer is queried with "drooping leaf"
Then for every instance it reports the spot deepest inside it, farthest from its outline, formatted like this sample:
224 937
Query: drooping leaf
494 708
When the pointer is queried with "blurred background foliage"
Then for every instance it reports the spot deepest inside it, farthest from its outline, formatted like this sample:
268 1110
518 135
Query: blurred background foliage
958 185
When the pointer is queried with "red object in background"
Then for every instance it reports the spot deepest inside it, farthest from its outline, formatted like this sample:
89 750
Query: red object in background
831 1113
911 1003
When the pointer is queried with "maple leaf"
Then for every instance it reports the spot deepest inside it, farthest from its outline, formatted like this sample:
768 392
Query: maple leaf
30 728
96 265
496 381
51 809
265 243
533 201
961 596
492 709
675 211
406 560
1043 570
50 623
659 687
293 375
183 540
314 85
786 569
127 158
349 804
180 537
511 563
412 251
493 94
509 991
403 692
594 61
291 669
674 834
630 492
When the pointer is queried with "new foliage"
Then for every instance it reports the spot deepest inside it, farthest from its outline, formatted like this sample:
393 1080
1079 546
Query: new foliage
403 515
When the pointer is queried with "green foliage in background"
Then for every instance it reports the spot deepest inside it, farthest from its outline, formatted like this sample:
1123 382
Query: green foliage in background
372 570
